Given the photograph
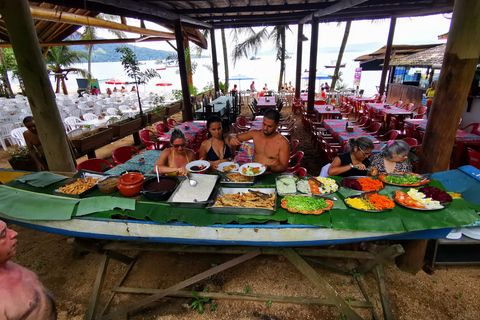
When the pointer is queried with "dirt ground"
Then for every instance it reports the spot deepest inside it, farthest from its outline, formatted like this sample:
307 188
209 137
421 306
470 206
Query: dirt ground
449 293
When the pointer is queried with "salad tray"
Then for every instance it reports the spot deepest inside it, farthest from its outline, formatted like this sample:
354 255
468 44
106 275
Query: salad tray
398 179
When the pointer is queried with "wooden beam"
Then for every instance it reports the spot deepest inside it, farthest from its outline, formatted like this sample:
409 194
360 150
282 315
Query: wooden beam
97 288
382 288
298 68
214 60
21 30
339 6
313 65
388 51
187 112
59 16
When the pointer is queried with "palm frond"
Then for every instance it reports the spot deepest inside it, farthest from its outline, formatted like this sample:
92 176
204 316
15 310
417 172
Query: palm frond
251 45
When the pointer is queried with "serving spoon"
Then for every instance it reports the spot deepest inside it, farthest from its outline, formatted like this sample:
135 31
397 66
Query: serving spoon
192 182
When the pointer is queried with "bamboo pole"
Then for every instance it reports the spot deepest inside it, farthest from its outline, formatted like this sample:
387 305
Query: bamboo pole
33 70
458 69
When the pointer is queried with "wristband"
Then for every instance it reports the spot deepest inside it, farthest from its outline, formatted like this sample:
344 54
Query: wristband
351 165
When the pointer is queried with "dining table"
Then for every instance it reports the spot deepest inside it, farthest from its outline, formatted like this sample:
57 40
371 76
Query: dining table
143 162
387 111
339 132
265 103
191 129
327 112
217 107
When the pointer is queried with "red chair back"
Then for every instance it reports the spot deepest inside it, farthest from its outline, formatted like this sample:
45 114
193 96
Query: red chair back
172 123
390 135
293 147
161 128
422 110
474 158
320 102
409 106
397 103
145 136
292 166
475 128
94 164
301 172
123 154
411 141
373 128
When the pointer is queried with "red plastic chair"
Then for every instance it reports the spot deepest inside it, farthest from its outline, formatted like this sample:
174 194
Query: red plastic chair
397 103
373 128
123 154
145 136
292 165
161 128
94 164
347 113
411 141
320 102
409 106
422 110
475 128
390 135
172 123
293 146
400 127
474 158
301 172
243 122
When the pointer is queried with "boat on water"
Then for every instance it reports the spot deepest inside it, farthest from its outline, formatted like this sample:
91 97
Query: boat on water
333 64
171 64
255 58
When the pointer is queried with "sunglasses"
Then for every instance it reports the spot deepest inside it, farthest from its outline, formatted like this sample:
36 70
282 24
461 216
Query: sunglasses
365 154
176 146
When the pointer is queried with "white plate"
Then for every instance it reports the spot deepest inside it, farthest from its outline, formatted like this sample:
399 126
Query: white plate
198 163
252 165
223 165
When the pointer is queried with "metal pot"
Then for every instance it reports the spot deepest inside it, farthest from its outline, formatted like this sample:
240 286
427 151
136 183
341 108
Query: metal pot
162 190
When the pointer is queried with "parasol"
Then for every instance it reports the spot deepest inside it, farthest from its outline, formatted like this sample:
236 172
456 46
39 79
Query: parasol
115 81
164 84
239 77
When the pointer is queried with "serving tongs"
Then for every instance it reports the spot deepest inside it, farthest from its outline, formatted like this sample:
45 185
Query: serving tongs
312 178
260 194
225 177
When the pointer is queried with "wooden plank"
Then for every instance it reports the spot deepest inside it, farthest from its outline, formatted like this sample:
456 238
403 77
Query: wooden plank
243 297
97 288
91 246
321 284
139 304
388 253
382 287
124 277
366 296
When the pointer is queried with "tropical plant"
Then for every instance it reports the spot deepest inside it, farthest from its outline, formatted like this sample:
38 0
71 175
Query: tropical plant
7 63
20 153
131 67
254 41
58 59
225 61
337 73
90 33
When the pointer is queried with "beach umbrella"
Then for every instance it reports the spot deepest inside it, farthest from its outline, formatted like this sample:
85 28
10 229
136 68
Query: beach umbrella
320 76
163 84
239 77
115 81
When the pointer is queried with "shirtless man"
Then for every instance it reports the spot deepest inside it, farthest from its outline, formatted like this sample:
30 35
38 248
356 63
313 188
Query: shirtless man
22 296
33 143
271 148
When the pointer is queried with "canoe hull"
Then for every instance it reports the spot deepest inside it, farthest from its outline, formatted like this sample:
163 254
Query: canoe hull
253 235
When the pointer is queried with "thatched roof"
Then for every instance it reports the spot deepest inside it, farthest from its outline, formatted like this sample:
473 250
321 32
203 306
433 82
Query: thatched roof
398 51
429 58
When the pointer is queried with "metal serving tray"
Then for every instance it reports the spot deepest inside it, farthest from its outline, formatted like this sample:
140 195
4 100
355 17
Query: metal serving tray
227 183
243 210
186 196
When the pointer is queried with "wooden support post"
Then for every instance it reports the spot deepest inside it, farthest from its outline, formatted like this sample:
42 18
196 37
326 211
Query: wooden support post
214 60
33 70
388 51
97 289
459 65
313 65
320 283
181 285
388 253
182 65
88 245
298 69
382 288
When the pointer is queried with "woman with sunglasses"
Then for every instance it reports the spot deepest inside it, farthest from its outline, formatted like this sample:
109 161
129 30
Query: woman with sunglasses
393 158
173 160
215 149
355 162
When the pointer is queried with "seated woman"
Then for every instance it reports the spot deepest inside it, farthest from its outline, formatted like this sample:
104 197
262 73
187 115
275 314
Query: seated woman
173 160
215 149
392 158
355 162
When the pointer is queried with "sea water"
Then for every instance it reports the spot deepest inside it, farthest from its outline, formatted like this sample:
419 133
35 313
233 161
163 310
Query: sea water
265 70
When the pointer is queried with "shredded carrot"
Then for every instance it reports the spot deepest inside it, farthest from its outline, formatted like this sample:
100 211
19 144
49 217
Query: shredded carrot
381 202
369 184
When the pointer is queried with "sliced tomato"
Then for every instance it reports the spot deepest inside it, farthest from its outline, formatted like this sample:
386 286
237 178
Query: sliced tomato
284 204
293 210
318 211
330 205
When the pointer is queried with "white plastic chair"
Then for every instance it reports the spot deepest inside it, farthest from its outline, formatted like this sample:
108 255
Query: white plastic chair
5 134
71 123
74 133
17 135
75 113
324 171
112 111
89 116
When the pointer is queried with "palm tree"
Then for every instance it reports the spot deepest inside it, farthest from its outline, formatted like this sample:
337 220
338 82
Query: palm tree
7 63
336 74
90 33
254 41
58 60
225 60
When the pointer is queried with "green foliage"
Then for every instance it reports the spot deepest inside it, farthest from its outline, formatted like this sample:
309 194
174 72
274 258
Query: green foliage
131 66
269 303
221 85
198 303
178 95
213 306
246 289
209 87
193 91
62 57
20 153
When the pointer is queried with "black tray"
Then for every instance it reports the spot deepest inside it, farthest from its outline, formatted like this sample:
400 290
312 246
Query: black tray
77 196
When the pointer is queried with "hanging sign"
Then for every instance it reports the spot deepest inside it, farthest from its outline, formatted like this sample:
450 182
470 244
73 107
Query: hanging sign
357 77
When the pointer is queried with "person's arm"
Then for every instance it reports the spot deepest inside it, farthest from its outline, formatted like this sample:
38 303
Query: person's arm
235 139
33 152
336 167
204 150
162 163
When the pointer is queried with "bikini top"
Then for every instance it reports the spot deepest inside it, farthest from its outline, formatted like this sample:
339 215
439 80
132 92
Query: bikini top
212 156
171 164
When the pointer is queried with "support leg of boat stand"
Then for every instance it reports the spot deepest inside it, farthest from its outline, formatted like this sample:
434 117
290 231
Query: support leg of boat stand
320 283
141 303
97 288
382 287
386 254
366 296
91 246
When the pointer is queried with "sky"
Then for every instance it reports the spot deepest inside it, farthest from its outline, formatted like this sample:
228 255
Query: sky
414 30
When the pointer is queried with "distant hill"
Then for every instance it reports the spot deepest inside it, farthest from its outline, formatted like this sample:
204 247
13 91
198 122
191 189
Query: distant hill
106 52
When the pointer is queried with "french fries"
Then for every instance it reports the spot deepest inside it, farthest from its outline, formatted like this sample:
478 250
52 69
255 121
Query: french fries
78 186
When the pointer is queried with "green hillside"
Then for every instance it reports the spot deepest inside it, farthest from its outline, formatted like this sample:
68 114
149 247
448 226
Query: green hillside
106 52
